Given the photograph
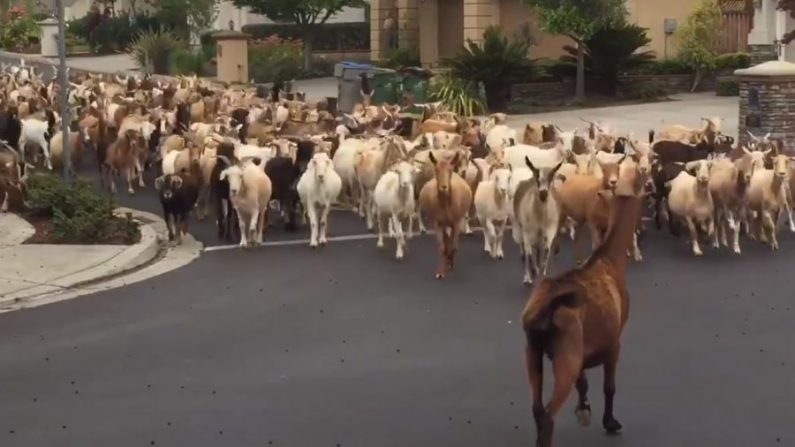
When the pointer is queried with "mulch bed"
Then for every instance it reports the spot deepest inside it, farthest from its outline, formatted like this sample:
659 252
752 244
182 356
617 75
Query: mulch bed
44 234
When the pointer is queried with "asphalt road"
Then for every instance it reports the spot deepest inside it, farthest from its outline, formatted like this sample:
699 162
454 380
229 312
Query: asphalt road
345 346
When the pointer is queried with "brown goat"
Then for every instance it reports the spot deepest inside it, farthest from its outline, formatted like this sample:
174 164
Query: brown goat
577 320
446 199
121 156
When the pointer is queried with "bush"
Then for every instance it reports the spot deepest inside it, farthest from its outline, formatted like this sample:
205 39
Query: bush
671 66
17 26
109 34
187 62
732 61
80 215
402 57
699 39
457 95
647 91
274 58
497 63
153 50
329 37
727 87
612 50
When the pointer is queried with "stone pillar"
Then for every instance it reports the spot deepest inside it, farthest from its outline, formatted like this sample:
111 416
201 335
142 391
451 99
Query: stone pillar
378 13
408 23
762 37
478 15
767 97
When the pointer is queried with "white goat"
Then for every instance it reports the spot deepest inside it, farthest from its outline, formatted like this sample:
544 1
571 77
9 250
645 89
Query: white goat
250 192
318 187
537 214
690 199
394 200
37 132
492 206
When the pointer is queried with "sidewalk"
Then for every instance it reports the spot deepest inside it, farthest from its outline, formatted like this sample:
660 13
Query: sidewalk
36 272
114 63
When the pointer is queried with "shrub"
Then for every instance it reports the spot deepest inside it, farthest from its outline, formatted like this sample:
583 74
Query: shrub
647 91
611 50
497 63
274 59
732 61
699 39
402 57
108 34
17 26
188 62
670 66
79 214
329 37
727 87
153 49
457 95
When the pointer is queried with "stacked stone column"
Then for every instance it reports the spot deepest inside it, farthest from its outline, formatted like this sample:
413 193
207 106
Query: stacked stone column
767 98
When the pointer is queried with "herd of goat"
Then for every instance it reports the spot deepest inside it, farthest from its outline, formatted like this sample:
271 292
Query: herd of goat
244 155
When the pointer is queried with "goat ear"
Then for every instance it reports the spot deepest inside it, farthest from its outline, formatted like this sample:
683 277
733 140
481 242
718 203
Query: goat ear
431 157
530 165
691 167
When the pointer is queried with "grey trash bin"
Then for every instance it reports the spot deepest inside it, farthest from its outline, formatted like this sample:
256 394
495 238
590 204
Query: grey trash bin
349 84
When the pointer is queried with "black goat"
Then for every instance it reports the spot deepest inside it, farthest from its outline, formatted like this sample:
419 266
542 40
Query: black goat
178 194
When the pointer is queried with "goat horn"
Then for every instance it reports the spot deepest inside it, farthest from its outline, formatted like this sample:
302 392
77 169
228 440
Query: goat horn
224 159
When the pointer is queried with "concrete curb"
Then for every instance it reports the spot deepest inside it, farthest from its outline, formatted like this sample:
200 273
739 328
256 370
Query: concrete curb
139 262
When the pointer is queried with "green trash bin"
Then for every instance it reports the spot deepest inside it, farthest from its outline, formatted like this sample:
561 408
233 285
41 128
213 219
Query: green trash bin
385 84
417 83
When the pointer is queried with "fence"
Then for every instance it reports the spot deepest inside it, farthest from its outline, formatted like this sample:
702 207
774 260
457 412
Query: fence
736 26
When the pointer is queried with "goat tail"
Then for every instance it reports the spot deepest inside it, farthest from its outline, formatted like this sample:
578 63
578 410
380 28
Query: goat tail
651 136
539 324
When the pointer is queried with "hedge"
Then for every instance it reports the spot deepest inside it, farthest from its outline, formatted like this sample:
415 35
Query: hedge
328 37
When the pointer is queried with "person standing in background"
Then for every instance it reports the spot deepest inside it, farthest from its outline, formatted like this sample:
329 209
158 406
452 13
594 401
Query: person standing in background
390 28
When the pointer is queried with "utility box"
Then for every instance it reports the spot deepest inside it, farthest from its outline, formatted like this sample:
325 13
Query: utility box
48 38
232 56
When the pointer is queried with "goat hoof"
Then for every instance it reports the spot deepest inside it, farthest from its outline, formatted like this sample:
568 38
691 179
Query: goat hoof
612 426
131 191
583 416
439 276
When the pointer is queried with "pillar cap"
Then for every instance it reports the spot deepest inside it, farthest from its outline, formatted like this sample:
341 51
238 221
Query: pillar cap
768 69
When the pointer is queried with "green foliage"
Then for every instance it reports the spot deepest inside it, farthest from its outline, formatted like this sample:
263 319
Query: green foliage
275 59
647 91
186 15
732 61
670 66
699 38
153 49
496 63
457 95
612 50
109 34
578 19
187 62
329 37
402 57
17 27
727 87
80 214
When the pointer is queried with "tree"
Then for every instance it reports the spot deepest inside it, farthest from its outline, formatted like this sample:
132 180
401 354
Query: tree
612 50
579 20
186 15
698 40
309 15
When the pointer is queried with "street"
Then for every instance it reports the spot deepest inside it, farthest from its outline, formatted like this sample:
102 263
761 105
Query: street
345 346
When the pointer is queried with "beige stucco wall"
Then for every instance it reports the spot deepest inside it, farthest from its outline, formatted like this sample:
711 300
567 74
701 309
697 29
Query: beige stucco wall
439 21
651 14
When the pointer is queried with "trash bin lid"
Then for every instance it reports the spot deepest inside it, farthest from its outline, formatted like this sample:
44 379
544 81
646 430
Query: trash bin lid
356 65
